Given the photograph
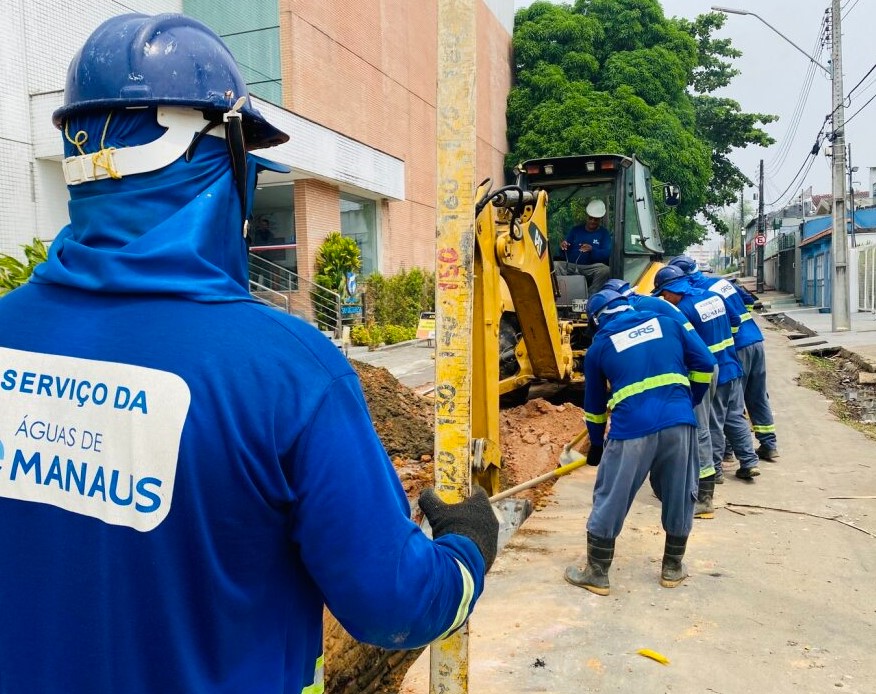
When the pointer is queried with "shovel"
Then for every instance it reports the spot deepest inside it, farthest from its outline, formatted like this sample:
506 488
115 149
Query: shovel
512 513
570 456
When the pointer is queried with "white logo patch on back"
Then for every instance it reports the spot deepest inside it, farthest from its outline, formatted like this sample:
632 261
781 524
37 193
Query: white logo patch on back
723 287
649 330
710 308
96 438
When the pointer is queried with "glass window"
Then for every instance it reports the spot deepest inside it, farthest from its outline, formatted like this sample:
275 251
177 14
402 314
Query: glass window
641 226
252 32
359 222
272 230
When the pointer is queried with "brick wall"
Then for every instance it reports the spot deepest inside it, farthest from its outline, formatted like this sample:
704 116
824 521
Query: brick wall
368 70
317 214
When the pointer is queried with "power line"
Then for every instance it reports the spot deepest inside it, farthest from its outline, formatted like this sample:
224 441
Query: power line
778 160
846 13
866 103
861 80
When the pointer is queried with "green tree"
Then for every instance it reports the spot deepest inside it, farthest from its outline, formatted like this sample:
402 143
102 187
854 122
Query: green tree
618 76
14 273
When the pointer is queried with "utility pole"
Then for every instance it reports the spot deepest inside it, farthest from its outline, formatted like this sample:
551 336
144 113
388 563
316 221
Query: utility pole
840 314
852 170
761 231
742 270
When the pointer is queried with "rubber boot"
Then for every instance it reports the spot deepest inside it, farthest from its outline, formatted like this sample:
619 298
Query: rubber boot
594 576
704 507
673 571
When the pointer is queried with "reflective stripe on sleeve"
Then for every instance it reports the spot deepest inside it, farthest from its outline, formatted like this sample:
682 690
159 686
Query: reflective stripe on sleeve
596 418
745 316
318 686
689 326
649 384
465 603
700 376
764 428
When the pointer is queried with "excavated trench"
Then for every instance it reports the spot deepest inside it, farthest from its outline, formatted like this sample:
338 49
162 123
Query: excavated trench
532 438
838 374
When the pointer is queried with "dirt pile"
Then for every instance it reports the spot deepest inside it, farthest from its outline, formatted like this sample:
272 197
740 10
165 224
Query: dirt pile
532 437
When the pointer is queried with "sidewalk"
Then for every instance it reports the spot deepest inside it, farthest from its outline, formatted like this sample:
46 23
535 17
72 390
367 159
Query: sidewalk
816 333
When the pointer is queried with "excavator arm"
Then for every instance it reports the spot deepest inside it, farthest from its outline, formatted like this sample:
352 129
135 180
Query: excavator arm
511 246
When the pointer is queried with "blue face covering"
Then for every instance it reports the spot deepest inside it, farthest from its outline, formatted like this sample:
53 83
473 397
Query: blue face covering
177 231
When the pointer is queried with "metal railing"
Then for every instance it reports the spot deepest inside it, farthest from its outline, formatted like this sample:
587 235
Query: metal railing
280 287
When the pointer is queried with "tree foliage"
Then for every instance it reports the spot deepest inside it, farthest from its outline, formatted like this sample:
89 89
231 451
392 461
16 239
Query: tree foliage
618 76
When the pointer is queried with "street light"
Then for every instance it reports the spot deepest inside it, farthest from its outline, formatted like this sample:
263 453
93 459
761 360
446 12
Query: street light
729 10
840 311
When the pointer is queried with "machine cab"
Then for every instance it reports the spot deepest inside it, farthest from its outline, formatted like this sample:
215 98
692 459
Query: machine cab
624 185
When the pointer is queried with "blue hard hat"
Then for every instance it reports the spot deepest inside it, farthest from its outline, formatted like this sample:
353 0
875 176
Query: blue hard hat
137 60
687 264
600 301
666 276
620 286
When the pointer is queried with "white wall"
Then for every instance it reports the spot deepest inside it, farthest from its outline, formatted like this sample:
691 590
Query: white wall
38 38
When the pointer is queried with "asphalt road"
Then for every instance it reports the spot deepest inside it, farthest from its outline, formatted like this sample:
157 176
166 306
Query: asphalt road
781 596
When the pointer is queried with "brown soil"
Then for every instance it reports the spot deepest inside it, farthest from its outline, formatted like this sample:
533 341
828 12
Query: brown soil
532 437
839 379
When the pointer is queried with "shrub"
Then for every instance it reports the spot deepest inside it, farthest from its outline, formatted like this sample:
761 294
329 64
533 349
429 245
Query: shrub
400 299
336 256
14 273
373 335
393 334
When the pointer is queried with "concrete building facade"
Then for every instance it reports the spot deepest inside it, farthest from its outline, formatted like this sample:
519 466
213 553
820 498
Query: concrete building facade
352 81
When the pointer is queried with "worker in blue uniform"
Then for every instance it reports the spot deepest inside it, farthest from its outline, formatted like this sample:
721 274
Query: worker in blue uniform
646 302
749 343
709 316
587 248
187 476
649 372
703 410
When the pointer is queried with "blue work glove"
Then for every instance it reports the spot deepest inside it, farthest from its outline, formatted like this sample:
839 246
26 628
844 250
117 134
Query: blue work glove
473 518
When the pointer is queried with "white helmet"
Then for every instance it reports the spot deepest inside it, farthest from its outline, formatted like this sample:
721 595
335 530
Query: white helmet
596 209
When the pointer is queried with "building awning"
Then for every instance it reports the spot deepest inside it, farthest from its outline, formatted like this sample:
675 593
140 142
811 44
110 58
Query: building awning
313 151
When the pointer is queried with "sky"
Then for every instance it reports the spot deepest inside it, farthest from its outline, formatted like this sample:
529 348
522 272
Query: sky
773 80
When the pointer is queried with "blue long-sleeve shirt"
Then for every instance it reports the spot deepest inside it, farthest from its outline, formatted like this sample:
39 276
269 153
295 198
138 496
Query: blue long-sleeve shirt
648 371
188 476
599 239
708 314
746 332
642 302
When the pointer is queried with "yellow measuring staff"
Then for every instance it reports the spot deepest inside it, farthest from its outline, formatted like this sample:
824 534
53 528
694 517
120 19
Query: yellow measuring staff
454 263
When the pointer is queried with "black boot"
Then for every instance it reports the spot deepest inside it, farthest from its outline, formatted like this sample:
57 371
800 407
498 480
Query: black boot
673 571
594 576
704 508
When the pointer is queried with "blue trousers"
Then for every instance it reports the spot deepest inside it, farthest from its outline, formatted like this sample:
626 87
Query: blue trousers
754 387
727 416
703 413
670 456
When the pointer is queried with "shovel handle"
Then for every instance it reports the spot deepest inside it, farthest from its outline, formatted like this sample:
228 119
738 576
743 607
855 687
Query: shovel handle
577 439
559 472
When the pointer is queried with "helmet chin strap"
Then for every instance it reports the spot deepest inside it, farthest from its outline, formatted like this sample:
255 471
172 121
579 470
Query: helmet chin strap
184 129
109 162
236 143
